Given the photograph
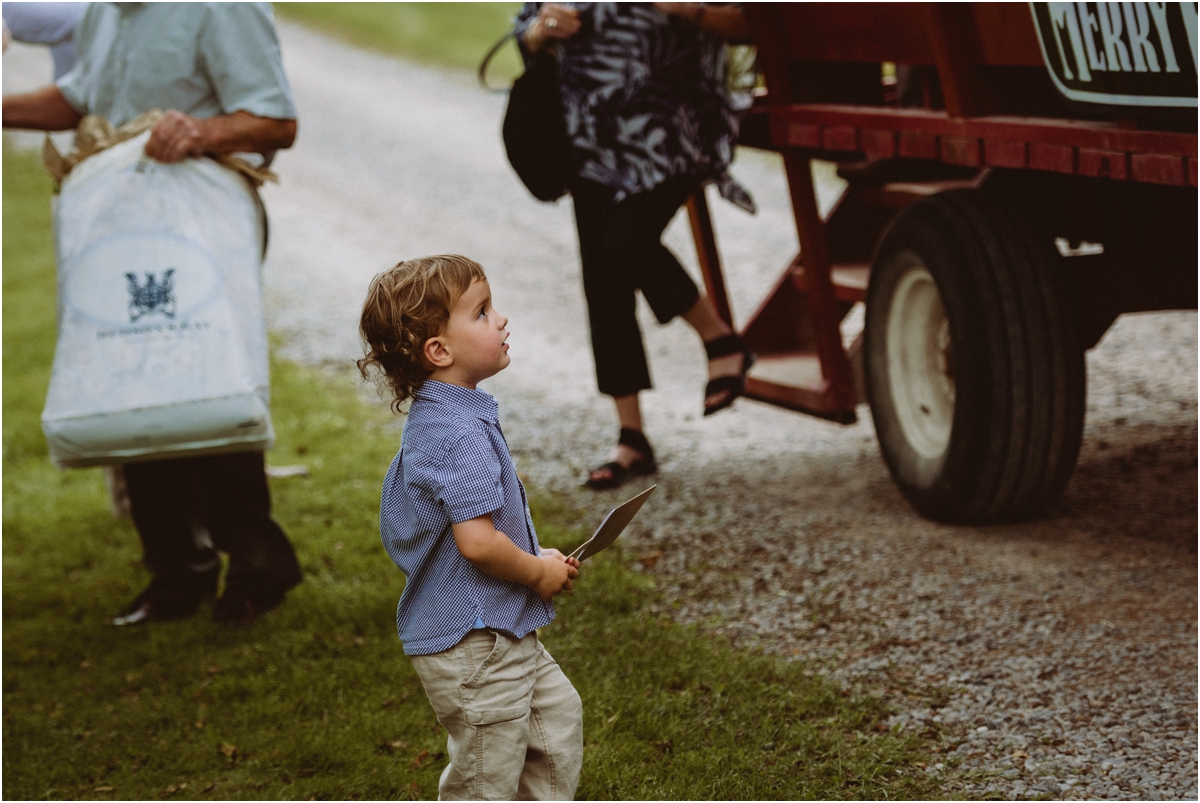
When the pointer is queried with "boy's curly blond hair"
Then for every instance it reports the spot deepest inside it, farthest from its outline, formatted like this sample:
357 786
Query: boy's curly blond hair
406 305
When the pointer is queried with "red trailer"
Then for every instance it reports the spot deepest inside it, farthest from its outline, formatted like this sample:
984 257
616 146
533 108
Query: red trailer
1018 176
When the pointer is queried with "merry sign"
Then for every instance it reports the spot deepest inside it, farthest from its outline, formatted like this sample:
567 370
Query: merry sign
1122 54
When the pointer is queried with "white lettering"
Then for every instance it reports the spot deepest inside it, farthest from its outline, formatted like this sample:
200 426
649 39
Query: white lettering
1089 24
1063 15
1159 12
1111 28
1189 24
1137 23
1084 249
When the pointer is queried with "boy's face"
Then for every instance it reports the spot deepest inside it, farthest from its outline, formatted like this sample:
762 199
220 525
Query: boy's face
473 339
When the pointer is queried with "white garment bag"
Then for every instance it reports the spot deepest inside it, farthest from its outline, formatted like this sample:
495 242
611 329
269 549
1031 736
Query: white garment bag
162 343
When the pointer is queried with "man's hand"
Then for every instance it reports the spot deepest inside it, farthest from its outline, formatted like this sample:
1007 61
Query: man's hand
558 572
177 136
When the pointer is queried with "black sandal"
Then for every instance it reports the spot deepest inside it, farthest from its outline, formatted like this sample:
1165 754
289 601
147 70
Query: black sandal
617 473
734 384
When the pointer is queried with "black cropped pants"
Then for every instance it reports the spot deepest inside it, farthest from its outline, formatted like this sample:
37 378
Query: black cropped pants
620 246
176 502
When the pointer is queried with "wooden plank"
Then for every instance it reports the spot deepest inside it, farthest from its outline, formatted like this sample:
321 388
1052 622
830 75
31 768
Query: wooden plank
812 400
708 255
855 32
799 370
1155 168
822 303
877 144
1052 131
952 40
1006 35
849 281
918 145
961 151
999 33
1103 164
1059 158
1005 153
1041 144
840 138
803 136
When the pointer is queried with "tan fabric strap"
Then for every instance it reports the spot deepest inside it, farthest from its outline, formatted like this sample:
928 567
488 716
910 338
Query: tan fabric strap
95 134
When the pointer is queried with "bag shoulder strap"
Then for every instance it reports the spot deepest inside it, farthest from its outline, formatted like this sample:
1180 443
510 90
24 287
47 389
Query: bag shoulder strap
483 65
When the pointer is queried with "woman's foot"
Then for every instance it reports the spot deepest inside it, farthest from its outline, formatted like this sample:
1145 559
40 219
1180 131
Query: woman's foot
633 457
728 361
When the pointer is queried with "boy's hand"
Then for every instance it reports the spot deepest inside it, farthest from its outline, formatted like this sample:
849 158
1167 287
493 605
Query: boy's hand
494 553
557 573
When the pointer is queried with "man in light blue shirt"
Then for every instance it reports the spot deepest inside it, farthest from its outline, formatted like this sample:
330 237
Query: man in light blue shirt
217 70
215 67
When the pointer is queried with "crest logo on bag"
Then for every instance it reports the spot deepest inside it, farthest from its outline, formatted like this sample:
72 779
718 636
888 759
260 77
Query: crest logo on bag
153 296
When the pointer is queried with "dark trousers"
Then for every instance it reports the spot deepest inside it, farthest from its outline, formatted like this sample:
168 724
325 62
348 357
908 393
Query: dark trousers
187 508
621 250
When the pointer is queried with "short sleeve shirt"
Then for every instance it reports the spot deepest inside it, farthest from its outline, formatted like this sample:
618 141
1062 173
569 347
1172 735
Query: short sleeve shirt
453 466
203 59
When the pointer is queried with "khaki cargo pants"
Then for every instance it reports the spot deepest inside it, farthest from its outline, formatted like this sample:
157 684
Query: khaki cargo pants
515 721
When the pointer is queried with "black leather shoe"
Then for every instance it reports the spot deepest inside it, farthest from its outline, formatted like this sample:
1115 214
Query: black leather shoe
135 613
169 598
241 608
145 608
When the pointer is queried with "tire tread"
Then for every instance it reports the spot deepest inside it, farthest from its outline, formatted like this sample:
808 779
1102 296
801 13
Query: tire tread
1024 425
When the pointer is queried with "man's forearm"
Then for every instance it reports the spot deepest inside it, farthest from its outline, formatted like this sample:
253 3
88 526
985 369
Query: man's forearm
242 132
43 110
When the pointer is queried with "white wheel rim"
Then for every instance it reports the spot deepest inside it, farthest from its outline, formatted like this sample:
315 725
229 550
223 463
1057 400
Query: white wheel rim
920 363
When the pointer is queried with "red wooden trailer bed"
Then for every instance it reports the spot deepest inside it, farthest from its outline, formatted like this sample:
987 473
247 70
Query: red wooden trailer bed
1001 212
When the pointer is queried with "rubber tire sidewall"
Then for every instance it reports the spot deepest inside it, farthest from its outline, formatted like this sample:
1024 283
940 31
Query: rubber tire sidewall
941 488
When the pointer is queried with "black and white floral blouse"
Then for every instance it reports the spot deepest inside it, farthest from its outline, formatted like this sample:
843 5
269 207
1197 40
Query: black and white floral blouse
645 99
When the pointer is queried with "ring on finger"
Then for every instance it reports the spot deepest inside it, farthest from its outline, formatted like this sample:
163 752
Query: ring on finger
550 22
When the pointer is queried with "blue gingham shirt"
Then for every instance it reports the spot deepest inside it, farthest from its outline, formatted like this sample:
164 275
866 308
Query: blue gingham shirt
454 466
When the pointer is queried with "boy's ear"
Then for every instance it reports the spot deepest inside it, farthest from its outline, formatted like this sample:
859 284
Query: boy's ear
437 354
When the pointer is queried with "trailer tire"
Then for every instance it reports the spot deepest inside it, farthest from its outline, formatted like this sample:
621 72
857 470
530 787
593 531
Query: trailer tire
972 364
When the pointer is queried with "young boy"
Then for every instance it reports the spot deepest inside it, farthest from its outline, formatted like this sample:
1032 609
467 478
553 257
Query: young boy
455 520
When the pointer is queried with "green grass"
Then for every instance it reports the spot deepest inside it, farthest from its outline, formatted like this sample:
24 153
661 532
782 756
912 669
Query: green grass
317 699
445 34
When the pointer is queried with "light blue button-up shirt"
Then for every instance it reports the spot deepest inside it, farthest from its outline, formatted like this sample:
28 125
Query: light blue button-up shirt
454 466
203 59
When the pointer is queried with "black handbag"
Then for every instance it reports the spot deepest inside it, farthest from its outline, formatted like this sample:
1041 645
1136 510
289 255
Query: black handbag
535 127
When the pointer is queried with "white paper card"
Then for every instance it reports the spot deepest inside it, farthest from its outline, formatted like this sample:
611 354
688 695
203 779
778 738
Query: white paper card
616 521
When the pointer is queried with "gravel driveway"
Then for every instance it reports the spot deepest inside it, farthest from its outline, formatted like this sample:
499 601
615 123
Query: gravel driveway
1057 658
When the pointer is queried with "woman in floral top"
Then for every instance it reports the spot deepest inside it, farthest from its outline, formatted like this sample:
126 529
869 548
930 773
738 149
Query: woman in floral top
650 122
